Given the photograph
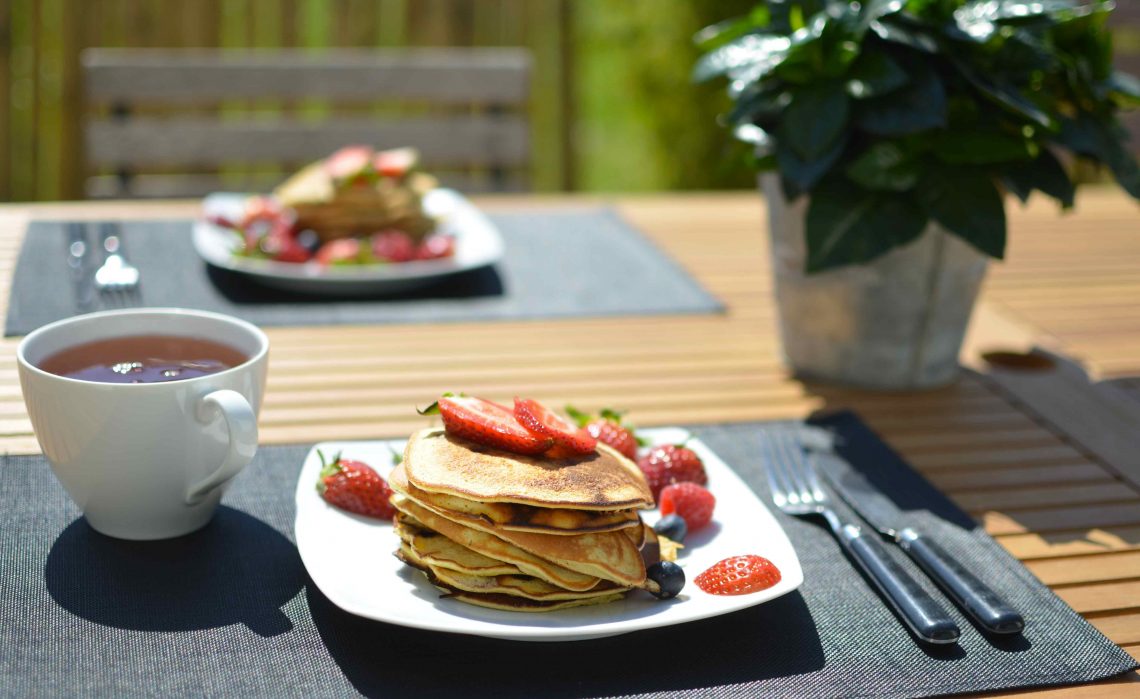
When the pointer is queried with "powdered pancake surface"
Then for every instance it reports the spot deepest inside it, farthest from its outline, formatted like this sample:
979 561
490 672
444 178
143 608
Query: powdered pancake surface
606 480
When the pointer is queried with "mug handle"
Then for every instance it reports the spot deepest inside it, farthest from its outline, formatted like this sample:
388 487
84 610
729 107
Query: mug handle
242 425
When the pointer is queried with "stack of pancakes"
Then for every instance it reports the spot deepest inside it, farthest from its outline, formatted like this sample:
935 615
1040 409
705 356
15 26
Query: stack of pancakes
522 533
341 210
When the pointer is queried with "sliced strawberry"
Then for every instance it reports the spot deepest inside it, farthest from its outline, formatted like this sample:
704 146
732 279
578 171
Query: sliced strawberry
487 423
543 422
350 164
340 251
395 162
393 245
739 575
436 246
607 427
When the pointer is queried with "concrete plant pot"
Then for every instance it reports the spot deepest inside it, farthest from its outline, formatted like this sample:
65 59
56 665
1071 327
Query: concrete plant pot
896 323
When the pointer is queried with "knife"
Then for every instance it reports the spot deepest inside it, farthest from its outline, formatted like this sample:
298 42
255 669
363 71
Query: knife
976 598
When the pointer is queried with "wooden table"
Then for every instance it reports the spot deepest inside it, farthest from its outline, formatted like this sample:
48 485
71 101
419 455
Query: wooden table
1048 460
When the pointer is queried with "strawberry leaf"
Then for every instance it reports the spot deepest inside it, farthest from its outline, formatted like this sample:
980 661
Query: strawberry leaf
579 417
432 409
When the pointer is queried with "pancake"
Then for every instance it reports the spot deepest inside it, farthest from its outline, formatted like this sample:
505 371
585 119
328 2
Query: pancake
511 603
524 518
607 555
494 547
438 551
605 480
514 585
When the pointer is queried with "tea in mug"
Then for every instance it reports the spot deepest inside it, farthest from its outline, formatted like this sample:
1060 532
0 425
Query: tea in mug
143 359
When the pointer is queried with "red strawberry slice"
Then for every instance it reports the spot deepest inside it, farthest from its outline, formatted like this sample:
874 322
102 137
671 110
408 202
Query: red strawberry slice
488 423
739 575
354 486
543 422
608 428
340 251
396 162
436 246
350 164
393 245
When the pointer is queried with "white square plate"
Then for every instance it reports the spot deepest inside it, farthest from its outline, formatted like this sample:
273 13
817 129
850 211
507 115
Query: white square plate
350 559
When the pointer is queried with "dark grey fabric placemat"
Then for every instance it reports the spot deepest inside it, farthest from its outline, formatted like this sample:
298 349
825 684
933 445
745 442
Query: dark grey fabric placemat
230 611
556 264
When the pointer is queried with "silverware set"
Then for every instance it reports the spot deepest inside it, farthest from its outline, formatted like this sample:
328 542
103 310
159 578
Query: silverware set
101 269
797 490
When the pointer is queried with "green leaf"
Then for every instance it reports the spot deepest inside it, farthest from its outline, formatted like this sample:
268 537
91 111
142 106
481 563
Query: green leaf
746 59
814 119
875 74
760 105
848 225
1045 174
982 147
1102 140
874 9
804 173
917 107
965 202
1124 88
892 32
1004 95
722 32
884 166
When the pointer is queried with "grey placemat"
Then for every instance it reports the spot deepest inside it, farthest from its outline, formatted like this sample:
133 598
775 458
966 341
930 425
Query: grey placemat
230 611
557 264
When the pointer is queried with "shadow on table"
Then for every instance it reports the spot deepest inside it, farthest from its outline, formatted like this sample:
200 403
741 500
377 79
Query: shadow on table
235 569
484 282
775 639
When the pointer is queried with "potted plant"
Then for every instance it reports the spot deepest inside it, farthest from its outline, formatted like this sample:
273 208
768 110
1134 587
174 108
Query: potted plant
888 135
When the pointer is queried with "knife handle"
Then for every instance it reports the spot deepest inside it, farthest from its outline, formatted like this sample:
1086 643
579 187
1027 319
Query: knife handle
973 595
921 613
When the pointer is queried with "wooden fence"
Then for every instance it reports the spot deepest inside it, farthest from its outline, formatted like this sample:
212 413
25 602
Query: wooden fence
40 43
41 94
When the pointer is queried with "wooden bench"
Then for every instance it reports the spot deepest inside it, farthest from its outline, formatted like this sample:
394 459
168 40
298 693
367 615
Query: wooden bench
164 123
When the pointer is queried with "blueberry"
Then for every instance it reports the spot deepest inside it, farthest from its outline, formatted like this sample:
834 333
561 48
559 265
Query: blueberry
672 527
670 579
309 240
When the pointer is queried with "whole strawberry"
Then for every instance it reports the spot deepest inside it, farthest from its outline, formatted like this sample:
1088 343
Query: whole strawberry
672 463
739 575
607 427
692 502
354 486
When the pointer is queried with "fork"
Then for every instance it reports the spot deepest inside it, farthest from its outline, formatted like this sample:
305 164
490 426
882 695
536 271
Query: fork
797 491
115 275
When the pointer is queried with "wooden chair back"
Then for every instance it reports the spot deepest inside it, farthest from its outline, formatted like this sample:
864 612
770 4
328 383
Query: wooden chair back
164 123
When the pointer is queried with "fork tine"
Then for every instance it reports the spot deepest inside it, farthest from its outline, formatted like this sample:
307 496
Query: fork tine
795 466
783 470
813 478
777 482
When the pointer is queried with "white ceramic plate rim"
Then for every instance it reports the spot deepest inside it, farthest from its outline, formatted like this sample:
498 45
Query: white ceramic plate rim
350 559
478 243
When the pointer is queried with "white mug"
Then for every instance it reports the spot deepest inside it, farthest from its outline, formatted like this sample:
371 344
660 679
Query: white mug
147 460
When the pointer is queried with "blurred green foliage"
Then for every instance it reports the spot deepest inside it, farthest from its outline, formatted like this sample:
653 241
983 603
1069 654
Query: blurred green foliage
642 124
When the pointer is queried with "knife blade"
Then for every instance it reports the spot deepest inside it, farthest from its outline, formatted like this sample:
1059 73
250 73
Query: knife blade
976 598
